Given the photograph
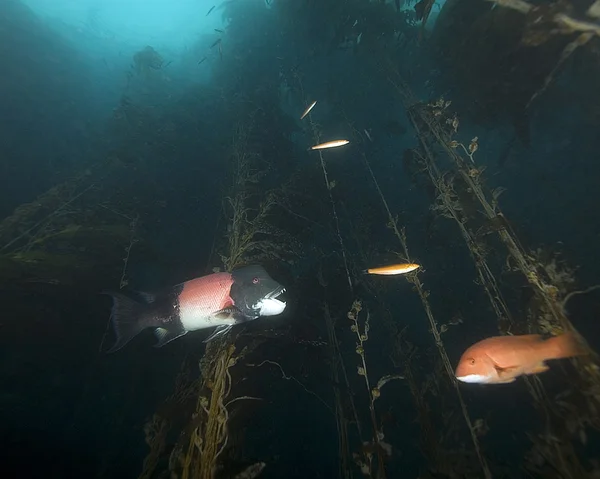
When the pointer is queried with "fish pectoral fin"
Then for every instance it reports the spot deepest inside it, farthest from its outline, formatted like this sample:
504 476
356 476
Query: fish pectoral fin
506 374
220 331
165 336
538 368
230 313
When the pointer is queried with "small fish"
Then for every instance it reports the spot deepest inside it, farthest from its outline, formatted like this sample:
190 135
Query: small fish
201 61
216 43
218 299
368 134
501 359
330 144
393 269
307 111
211 9
218 31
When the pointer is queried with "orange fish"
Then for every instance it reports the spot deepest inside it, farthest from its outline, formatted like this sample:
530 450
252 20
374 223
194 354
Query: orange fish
330 144
501 359
393 269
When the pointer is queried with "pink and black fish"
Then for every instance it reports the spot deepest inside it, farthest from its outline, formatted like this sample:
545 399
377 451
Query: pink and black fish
218 300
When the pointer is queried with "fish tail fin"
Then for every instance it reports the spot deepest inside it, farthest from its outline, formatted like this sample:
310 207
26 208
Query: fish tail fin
128 318
567 345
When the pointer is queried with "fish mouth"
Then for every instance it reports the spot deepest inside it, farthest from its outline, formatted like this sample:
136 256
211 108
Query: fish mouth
275 293
270 306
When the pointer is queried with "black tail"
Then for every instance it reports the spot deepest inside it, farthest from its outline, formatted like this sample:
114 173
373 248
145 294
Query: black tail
128 318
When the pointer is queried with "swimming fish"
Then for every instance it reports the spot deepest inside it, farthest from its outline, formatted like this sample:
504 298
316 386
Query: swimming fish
218 31
218 41
330 144
218 299
201 61
307 111
211 9
501 359
393 269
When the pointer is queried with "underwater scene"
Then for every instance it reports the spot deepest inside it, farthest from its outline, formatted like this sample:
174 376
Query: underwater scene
300 239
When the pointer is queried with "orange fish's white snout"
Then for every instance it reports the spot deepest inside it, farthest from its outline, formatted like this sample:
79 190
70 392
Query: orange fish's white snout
476 370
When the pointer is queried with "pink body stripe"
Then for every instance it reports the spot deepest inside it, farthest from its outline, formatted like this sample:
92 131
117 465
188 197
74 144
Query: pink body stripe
205 295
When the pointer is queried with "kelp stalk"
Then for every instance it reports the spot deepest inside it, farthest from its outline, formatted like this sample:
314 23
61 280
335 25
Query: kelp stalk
424 295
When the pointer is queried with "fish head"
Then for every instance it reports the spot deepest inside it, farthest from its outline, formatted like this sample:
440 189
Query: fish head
255 293
477 368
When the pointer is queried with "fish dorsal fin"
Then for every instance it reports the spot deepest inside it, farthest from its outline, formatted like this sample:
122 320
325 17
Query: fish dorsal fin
219 331
165 336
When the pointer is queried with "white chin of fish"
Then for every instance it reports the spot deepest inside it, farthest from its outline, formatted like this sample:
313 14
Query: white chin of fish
271 307
473 379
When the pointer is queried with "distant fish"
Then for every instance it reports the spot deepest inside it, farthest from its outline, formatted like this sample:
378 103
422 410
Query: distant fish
501 359
201 61
368 134
307 111
216 43
218 31
393 269
211 9
330 144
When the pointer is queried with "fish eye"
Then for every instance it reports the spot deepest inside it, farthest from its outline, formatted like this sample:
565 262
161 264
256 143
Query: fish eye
255 280
472 361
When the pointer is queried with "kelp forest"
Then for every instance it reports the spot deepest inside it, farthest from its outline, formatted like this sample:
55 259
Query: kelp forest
328 138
